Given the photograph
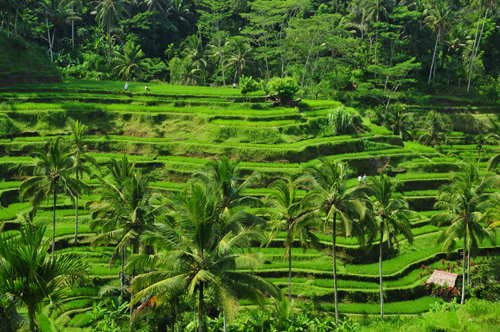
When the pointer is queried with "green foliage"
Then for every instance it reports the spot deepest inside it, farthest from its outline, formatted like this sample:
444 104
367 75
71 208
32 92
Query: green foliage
340 121
8 127
248 84
285 88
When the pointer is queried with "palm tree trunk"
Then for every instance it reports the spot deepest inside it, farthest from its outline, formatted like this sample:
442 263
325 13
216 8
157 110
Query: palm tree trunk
54 227
472 53
376 41
433 57
380 272
224 321
72 31
122 273
334 236
75 240
468 267
289 273
48 36
31 319
463 274
109 45
200 309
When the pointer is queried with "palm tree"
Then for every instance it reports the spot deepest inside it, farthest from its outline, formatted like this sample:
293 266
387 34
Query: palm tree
437 127
108 13
81 158
288 214
188 71
27 274
479 4
391 215
122 214
481 140
130 62
402 123
178 12
49 176
56 12
374 9
331 196
440 19
203 249
194 50
155 5
121 171
464 200
238 55
225 175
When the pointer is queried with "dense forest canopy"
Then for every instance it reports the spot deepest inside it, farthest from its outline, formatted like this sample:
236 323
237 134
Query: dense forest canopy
327 46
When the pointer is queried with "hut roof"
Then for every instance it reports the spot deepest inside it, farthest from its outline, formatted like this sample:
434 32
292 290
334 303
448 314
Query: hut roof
442 277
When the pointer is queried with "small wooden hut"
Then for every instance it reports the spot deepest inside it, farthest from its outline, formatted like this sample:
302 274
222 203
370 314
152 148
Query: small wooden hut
442 277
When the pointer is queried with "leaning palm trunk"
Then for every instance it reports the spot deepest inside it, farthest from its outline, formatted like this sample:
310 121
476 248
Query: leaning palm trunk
472 53
468 267
434 56
334 235
463 274
380 271
200 309
122 273
54 227
75 240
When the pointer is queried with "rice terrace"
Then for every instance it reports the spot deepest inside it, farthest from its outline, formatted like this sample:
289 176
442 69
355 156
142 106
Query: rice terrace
259 166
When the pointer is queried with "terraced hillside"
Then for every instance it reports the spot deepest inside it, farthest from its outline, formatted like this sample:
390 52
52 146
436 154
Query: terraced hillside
172 131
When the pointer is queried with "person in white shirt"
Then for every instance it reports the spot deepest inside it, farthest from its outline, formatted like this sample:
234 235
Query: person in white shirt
126 86
359 179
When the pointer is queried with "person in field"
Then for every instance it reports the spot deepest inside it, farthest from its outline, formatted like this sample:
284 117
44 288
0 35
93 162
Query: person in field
126 86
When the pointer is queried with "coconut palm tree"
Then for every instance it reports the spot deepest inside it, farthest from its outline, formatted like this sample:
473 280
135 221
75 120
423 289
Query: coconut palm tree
56 12
401 124
481 140
289 215
122 214
464 201
203 250
178 12
121 171
194 50
441 20
50 176
374 10
28 275
155 5
332 197
392 217
79 151
225 175
239 55
130 62
109 13
436 126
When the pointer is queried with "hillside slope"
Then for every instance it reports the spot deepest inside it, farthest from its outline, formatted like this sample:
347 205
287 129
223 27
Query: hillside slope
25 63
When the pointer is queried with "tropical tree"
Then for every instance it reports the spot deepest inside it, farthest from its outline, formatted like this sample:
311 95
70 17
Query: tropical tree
481 140
122 214
436 126
79 151
374 10
239 55
109 13
178 12
331 196
56 12
392 217
401 124
203 249
155 5
28 275
194 50
50 176
441 20
225 175
464 201
130 62
287 214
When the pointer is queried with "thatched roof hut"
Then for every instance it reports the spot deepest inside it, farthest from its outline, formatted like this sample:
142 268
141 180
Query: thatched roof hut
442 277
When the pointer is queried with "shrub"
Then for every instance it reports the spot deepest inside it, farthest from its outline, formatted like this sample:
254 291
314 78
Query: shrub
248 84
340 121
8 126
286 88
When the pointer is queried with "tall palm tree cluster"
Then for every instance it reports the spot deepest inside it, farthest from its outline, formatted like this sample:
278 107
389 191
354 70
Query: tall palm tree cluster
198 243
